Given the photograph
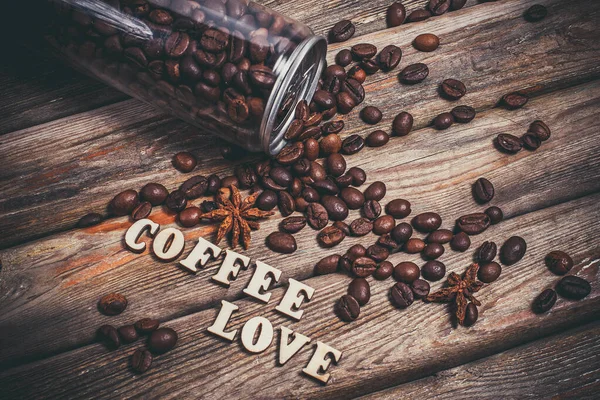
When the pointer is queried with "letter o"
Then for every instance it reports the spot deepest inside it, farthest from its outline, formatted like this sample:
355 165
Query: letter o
168 244
264 338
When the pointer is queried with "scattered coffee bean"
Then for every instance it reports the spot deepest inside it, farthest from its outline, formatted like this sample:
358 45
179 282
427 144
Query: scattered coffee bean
514 100
471 315
141 360
162 340
573 287
196 186
352 144
406 272
535 13
293 224
290 154
453 89
438 7
531 141
281 242
330 144
90 219
359 289
483 190
396 14
286 203
371 210
420 288
496 215
398 208
489 271
389 57
109 336
443 121
311 149
486 252
336 164
342 226
327 265
433 251
441 236
544 301
473 224
414 73
463 114
363 51
427 222
457 4
176 201
377 138
540 129
460 242
154 193
358 74
370 66
190 217
267 200
402 233
359 176
128 334
513 250
214 184
384 224
375 191
356 251
342 31
353 198
343 58
361 227
336 208
402 124
371 115
146 325
184 161
124 203
330 236
383 271
363 267
433 270
418 15
112 304
426 42
332 127
347 308
401 295
559 262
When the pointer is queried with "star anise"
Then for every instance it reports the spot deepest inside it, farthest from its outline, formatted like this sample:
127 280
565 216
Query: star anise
459 290
237 216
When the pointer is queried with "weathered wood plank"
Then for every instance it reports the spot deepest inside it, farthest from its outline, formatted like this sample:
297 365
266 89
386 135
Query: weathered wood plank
45 282
562 366
384 347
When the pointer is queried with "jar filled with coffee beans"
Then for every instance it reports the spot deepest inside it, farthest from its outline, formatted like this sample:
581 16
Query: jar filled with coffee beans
232 67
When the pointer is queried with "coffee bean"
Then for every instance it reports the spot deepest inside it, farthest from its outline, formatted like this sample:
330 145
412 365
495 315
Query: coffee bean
377 138
463 114
324 99
196 186
213 184
290 154
396 14
473 224
378 253
535 13
286 203
162 340
342 31
345 102
355 89
483 190
330 236
359 176
154 193
453 89
327 265
389 57
457 4
402 124
418 15
176 201
427 222
559 262
398 208
401 295
402 232
146 325
343 58
420 288
109 336
489 272
514 100
371 115
336 164
383 225
362 51
406 272
433 270
208 205
540 129
124 203
128 334
433 251
441 236
426 42
90 219
363 267
184 161
311 149
112 304
190 217
370 66
513 250
336 207
267 200
388 242
361 227
471 315
293 224
176 44
443 121
353 198
356 251
359 289
414 73
281 242
342 226
486 252
460 242
310 194
531 141
352 144
573 287
438 7
383 271
347 308
544 301
141 360
496 215
358 74
375 191
330 144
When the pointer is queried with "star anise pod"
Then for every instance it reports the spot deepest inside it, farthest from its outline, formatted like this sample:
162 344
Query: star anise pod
459 290
237 216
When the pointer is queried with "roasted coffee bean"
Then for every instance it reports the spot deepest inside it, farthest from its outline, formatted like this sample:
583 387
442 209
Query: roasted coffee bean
359 176
489 271
281 242
361 227
540 129
281 176
317 216
396 14
483 190
336 164
342 31
128 334
190 217
406 272
294 130
345 264
245 175
342 226
433 270
414 245
317 171
194 187
146 325
398 208
402 124
90 219
389 57
330 236
457 4
460 242
302 167
420 288
109 336
347 308
453 89
310 194
311 149
433 251
124 203
438 7
363 267
267 200
383 225
112 304
355 89
301 204
208 205
378 253
184 161
214 184
402 232
302 111
427 222
559 262
471 315
330 144
544 301
443 121
362 51
426 42
293 224
162 340
370 66
513 250
473 224
353 198
336 207
531 141
486 252
327 265
371 115
401 295
326 187
356 251
345 102
141 360
286 203
441 236
324 99
463 114
176 201
377 138
290 154
384 270
332 127
388 242
176 44
154 193
230 181
261 76
573 287
535 13
359 289
496 215
418 15
514 100
352 144
343 58
358 74
375 191
414 73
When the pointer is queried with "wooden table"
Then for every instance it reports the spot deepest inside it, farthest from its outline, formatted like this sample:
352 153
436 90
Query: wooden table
68 144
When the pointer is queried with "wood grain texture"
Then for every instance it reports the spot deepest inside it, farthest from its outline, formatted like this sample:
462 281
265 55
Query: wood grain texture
93 160
536 370
46 281
384 347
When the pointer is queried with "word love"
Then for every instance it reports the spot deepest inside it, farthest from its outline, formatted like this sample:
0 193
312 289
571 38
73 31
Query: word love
257 333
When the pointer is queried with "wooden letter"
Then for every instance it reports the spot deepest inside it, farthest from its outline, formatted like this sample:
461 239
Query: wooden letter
136 230
265 337
263 275
293 298
286 349
321 359
200 255
168 244
218 327
230 267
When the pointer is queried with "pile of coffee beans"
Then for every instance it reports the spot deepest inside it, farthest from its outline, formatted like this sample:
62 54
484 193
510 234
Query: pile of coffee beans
537 133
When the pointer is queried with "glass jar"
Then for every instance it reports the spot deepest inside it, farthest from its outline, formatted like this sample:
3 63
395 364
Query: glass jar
231 67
